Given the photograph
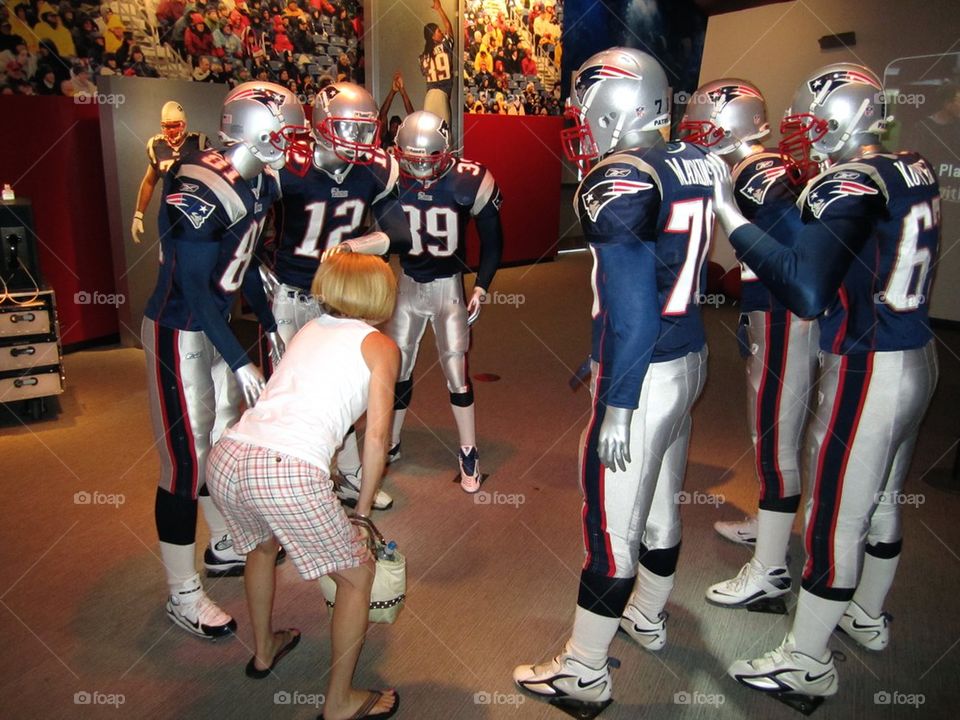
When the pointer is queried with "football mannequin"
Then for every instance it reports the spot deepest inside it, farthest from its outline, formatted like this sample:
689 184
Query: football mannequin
213 208
439 194
646 212
728 117
346 175
163 150
870 236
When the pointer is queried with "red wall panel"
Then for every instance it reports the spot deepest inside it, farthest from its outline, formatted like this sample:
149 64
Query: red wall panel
52 156
525 157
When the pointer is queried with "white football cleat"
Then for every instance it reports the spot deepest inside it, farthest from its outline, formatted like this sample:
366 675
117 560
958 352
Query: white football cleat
221 560
565 677
869 632
754 582
650 634
191 609
470 479
785 670
348 490
742 532
393 454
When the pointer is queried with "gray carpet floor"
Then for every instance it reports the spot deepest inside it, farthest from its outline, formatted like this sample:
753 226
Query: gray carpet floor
491 584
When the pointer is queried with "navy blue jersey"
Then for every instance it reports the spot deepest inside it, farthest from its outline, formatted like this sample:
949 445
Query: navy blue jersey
648 216
767 197
882 303
207 213
438 212
317 212
437 66
162 156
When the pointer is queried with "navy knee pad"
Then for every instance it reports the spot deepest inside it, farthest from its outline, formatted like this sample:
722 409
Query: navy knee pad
602 595
402 394
464 399
176 518
660 562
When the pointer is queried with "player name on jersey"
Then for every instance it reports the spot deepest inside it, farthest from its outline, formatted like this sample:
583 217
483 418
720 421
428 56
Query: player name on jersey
690 171
916 173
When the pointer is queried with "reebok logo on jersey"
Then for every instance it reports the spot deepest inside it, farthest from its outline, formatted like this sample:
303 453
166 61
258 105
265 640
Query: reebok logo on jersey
756 187
605 192
189 187
196 209
617 173
831 190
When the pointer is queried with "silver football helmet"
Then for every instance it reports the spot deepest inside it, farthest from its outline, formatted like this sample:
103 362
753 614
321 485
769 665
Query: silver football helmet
723 115
423 146
833 108
346 124
615 93
264 119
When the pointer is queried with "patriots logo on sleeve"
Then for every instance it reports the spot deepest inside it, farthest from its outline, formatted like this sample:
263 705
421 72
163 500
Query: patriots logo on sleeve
196 209
832 190
756 187
606 191
723 95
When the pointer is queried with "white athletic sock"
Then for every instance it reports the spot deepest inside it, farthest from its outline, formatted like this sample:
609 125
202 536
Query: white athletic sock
875 582
180 563
773 536
215 521
348 457
466 424
398 416
591 637
650 592
814 623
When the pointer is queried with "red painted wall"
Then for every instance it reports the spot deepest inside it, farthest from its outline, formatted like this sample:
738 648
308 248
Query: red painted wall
525 156
51 155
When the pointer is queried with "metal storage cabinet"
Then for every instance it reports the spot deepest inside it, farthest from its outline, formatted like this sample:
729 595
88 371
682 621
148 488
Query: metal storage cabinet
31 358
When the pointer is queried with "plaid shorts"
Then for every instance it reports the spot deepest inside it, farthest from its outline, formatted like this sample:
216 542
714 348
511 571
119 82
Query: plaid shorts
262 492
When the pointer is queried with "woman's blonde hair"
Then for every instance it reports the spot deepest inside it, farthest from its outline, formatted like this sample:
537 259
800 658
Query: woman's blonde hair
356 286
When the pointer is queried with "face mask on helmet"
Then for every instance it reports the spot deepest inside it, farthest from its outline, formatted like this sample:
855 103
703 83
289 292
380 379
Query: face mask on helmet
353 140
799 132
700 132
423 146
577 140
174 132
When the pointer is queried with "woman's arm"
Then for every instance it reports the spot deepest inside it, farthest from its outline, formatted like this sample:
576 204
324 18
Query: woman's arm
382 356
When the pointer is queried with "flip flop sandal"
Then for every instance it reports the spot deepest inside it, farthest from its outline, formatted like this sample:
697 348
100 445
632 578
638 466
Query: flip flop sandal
256 673
364 712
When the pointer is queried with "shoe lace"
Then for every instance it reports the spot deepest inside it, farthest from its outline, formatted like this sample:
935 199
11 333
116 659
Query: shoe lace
740 581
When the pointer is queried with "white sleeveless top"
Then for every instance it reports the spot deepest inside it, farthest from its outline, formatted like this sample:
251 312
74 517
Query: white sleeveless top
319 389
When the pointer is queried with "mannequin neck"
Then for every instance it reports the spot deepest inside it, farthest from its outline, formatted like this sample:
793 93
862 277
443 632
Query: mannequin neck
639 139
325 159
243 161
858 146
742 152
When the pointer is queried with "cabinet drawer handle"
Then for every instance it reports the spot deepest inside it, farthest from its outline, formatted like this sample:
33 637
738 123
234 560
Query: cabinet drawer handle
29 350
20 382
26 317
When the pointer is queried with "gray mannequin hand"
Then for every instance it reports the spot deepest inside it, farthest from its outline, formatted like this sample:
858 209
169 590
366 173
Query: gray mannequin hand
277 348
271 283
614 443
724 205
251 383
